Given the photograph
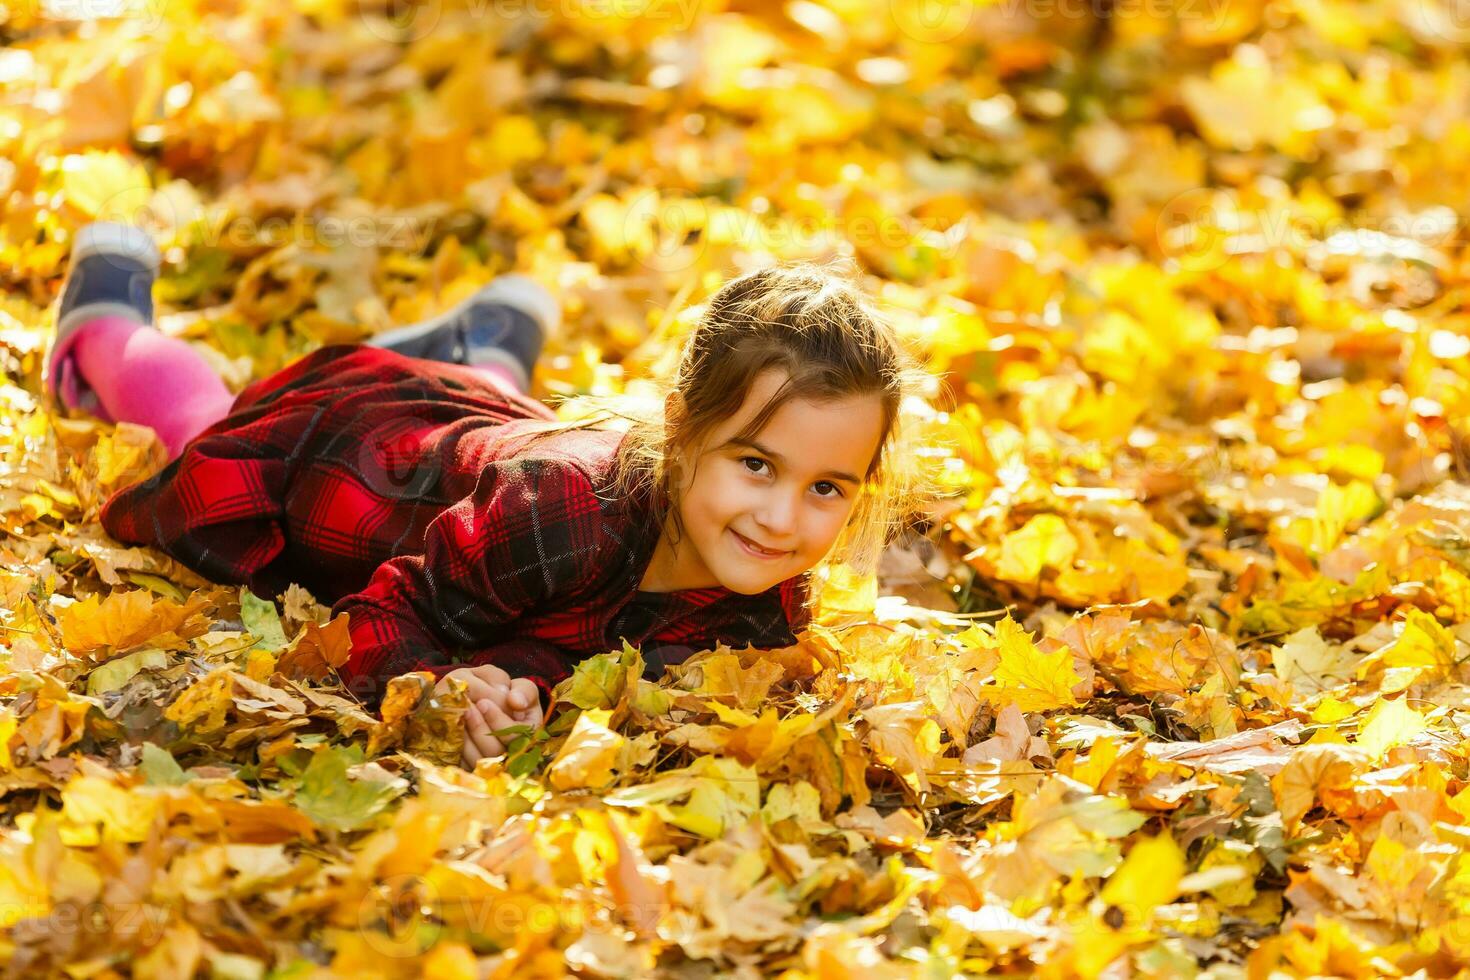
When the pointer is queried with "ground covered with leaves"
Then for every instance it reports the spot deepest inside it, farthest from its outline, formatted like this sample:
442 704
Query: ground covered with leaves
1171 684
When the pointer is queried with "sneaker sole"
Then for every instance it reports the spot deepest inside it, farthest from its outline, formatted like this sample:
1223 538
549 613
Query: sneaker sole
517 291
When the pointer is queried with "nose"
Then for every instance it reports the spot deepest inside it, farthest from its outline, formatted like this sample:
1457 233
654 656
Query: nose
778 517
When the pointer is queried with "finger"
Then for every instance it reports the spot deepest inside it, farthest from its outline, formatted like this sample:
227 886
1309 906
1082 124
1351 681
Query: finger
495 684
493 675
523 694
478 688
478 731
496 718
470 752
500 697
531 716
475 686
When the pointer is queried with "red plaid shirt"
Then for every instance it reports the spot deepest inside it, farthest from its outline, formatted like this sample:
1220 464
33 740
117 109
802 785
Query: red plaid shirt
405 491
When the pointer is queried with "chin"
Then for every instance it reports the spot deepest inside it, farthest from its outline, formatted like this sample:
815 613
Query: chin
745 588
744 585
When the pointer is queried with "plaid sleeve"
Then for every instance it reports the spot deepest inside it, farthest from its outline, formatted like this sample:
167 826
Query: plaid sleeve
528 532
215 508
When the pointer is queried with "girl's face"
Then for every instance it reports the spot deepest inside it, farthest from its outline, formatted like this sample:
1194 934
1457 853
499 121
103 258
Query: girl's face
759 512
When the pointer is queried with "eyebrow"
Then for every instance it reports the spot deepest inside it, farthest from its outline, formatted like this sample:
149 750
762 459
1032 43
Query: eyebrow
829 474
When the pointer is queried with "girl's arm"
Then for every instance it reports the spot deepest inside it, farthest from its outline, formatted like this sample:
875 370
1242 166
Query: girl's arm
531 530
216 508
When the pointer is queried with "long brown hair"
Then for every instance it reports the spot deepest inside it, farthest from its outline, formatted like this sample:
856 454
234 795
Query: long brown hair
814 324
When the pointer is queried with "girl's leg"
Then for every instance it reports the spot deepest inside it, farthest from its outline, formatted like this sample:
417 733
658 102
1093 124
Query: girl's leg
503 377
143 376
499 331
140 375
107 357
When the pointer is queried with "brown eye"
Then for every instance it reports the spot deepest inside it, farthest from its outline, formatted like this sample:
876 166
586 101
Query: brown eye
753 459
834 486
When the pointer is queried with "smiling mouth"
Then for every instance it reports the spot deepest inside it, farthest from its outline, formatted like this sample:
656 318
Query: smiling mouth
755 549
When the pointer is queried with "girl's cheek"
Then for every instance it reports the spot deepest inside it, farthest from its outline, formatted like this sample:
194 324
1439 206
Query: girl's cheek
706 501
728 498
834 525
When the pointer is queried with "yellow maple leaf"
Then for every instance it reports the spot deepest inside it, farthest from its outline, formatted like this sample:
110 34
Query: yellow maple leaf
1353 462
800 801
1028 678
1095 944
1331 710
1120 348
1042 542
723 675
621 228
1339 507
1398 869
512 140
1452 586
1151 575
1388 723
1423 643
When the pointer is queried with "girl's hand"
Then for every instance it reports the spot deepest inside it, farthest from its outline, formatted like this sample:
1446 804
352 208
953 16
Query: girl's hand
497 701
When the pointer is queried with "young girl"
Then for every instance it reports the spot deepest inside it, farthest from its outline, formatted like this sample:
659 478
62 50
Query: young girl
466 532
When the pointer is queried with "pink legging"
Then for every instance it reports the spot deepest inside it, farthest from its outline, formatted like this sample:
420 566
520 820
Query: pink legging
141 375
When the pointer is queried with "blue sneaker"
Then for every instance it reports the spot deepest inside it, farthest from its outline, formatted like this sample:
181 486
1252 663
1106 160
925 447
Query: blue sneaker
506 322
111 273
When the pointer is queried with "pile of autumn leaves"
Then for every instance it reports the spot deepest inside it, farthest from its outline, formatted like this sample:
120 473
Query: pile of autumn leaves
186 791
